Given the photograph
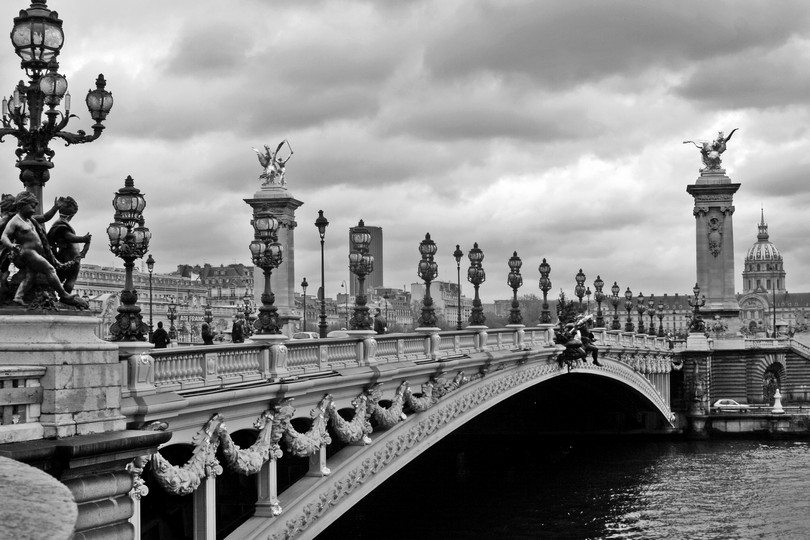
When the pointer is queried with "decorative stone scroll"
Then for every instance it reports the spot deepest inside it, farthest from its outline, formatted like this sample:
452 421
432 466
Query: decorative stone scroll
355 431
250 460
386 418
307 444
184 479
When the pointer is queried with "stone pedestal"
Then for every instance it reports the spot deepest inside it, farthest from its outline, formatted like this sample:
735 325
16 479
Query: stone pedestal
713 192
282 204
81 384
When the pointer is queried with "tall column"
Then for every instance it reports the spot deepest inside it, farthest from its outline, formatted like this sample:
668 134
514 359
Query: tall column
283 205
714 243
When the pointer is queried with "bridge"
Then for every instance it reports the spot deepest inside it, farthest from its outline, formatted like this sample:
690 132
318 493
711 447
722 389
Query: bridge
339 416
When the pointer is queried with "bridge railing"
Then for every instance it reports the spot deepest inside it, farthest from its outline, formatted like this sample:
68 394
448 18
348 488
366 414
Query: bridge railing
217 366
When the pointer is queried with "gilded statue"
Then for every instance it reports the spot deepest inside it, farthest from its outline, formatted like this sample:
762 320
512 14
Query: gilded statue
274 165
710 151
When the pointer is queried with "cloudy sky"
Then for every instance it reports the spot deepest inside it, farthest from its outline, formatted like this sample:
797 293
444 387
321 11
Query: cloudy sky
553 128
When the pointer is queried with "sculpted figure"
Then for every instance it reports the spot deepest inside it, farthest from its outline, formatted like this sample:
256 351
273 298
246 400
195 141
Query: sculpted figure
710 152
63 240
274 166
26 244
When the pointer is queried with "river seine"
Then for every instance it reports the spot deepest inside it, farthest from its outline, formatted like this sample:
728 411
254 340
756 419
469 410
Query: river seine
503 487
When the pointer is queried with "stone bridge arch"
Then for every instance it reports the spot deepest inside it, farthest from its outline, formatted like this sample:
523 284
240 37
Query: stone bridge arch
315 502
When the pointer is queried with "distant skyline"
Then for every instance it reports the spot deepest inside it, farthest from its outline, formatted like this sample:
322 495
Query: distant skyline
550 128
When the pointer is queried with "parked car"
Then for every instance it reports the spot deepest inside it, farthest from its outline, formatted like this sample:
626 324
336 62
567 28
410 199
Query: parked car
338 334
305 335
729 405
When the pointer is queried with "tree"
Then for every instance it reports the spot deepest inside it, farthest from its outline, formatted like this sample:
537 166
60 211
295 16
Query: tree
567 311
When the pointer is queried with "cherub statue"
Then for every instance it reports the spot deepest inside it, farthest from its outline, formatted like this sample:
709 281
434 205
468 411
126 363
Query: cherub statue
710 152
274 166
24 242
64 240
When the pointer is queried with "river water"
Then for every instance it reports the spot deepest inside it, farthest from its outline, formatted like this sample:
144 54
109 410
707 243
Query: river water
508 486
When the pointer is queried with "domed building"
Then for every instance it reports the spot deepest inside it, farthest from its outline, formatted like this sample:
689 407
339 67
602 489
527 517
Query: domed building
765 300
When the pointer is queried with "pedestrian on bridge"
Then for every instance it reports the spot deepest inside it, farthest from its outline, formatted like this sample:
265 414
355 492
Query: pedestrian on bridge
380 324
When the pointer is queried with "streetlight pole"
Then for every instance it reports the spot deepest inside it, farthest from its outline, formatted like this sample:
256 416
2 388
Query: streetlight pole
579 289
661 307
476 276
37 37
361 263
628 305
545 286
515 280
458 254
304 286
129 240
150 265
266 253
427 270
641 308
599 296
614 300
321 223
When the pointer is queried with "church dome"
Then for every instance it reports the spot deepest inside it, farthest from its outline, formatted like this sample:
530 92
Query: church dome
763 250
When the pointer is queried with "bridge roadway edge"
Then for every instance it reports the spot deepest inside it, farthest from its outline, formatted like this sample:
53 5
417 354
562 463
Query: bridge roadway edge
313 503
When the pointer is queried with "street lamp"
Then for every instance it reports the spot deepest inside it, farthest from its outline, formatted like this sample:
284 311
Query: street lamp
208 312
345 300
304 286
361 264
458 254
37 38
321 223
515 280
545 286
588 294
150 265
599 296
267 253
614 299
385 297
129 240
427 271
641 308
476 276
628 305
247 310
651 312
696 303
171 314
579 289
661 307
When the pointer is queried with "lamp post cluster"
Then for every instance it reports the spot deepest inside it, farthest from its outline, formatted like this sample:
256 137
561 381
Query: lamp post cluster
247 311
615 301
545 286
267 254
37 37
628 305
427 271
599 296
476 276
150 265
361 264
171 314
641 308
458 255
515 280
661 307
129 240
651 312
304 286
322 223
579 288
696 302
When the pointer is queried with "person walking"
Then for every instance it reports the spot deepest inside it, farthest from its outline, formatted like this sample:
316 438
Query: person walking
160 338
207 334
380 324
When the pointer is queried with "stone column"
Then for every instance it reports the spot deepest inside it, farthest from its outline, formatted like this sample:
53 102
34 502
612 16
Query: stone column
283 205
714 243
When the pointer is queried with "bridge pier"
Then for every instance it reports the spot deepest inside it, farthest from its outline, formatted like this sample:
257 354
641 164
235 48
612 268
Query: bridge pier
205 510
267 504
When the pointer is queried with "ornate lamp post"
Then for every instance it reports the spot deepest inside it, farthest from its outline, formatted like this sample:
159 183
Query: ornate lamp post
661 307
515 280
345 301
579 289
599 296
321 223
641 308
628 305
267 254
246 311
361 264
37 37
651 312
458 254
171 314
129 240
696 303
476 276
614 299
385 297
150 265
304 286
545 286
427 271
208 312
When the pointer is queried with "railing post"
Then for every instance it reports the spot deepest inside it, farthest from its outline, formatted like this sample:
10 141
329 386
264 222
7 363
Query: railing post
369 357
139 367
317 463
277 363
267 504
205 514
518 335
